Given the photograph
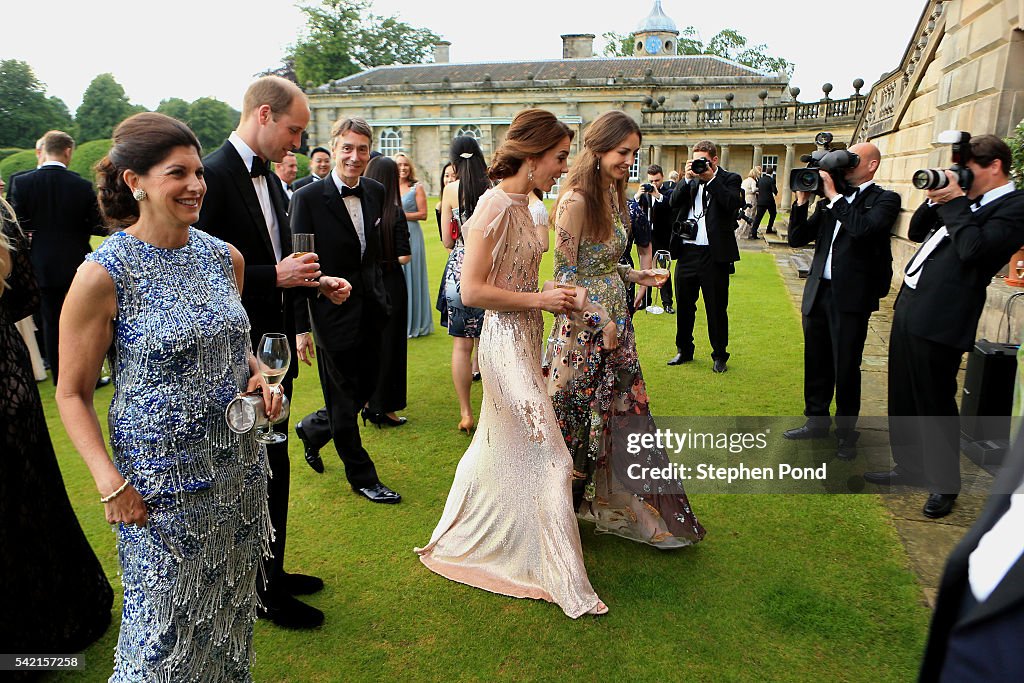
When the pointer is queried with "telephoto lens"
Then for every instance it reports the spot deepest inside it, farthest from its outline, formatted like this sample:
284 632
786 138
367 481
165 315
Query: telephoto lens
930 179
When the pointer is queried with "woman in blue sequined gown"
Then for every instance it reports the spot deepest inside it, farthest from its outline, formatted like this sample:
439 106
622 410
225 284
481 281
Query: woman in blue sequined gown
594 370
189 497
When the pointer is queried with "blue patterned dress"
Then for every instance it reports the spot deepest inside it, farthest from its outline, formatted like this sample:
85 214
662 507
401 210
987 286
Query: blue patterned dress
181 343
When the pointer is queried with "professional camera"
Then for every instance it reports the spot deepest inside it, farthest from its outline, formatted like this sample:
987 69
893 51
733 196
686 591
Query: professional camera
700 166
936 178
741 214
647 187
686 229
834 161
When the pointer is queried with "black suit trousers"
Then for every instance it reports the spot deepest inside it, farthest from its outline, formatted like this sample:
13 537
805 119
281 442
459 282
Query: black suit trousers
348 379
761 209
924 426
699 274
51 301
833 349
277 501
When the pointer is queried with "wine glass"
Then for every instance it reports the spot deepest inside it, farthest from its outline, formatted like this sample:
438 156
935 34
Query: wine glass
662 265
273 356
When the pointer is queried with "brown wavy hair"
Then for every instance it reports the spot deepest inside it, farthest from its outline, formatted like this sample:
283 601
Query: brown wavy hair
603 135
140 143
532 133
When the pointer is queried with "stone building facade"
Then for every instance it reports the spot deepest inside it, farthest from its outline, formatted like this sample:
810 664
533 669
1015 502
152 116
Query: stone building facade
754 116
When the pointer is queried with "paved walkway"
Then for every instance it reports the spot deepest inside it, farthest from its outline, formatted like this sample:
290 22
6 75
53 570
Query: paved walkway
928 542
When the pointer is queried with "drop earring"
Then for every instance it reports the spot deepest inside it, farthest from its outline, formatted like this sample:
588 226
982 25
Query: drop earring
529 176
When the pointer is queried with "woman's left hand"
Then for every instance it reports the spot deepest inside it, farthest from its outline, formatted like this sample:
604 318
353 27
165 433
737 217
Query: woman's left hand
271 395
610 336
646 277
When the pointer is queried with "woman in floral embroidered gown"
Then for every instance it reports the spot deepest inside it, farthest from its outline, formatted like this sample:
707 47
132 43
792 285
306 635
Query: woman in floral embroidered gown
508 526
596 377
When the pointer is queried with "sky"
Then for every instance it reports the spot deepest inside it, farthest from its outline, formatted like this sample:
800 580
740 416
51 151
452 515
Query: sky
197 48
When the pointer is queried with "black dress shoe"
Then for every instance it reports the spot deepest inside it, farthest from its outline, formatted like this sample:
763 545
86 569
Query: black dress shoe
670 310
102 381
893 477
379 493
719 366
847 446
286 611
476 376
805 432
679 359
312 455
300 584
939 505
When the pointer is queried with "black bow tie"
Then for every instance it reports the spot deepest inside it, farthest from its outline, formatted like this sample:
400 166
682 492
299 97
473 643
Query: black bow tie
976 202
259 168
347 191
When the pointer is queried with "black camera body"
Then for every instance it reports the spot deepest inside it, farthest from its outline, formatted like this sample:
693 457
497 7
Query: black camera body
700 166
936 178
687 229
647 187
834 161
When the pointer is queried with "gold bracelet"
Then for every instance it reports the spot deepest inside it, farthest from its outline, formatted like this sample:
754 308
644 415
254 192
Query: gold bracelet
116 493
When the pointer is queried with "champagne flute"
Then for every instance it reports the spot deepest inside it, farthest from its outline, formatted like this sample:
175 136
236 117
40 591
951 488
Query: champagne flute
662 264
273 356
302 243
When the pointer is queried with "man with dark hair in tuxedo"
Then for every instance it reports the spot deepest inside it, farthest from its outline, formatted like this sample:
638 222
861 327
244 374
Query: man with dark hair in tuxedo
851 271
343 212
246 206
703 243
58 208
319 167
655 204
967 237
766 191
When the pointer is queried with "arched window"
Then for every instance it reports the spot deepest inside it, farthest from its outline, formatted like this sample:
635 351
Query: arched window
471 131
390 142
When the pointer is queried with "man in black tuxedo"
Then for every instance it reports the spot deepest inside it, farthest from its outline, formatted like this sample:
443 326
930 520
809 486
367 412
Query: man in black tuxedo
655 204
851 271
979 613
246 206
343 212
286 170
58 208
319 167
766 191
703 243
967 238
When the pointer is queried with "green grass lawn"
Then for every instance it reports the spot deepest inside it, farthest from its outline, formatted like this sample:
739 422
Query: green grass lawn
784 588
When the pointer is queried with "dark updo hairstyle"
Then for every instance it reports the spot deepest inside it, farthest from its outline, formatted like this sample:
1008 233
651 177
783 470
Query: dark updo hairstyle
532 133
140 143
469 163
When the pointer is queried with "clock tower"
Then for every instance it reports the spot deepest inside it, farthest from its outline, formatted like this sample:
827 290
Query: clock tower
656 36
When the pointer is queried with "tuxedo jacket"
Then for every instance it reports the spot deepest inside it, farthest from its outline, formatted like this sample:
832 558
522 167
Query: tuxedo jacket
59 208
992 630
661 217
861 252
722 199
952 288
766 190
231 211
319 209
302 182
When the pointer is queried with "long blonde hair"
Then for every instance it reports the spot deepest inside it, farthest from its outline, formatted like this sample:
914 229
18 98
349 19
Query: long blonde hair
6 215
606 132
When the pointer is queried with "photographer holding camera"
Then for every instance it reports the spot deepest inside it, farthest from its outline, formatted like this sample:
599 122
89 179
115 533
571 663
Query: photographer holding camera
703 244
971 225
850 272
653 198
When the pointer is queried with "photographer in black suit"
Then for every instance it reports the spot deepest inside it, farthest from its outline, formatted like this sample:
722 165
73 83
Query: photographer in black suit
851 271
766 191
654 198
58 208
703 244
968 236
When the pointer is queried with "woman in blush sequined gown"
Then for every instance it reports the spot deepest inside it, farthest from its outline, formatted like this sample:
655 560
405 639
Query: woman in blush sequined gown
488 536
189 496
596 381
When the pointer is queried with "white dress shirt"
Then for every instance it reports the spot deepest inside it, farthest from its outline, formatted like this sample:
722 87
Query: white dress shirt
287 190
850 199
262 192
701 218
916 265
52 163
355 211
998 550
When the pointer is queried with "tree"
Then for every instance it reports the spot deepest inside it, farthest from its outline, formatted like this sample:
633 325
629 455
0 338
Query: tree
25 113
104 105
174 107
343 37
728 43
212 121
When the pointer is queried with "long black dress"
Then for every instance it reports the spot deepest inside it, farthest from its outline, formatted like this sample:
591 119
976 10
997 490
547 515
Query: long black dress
55 596
390 395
